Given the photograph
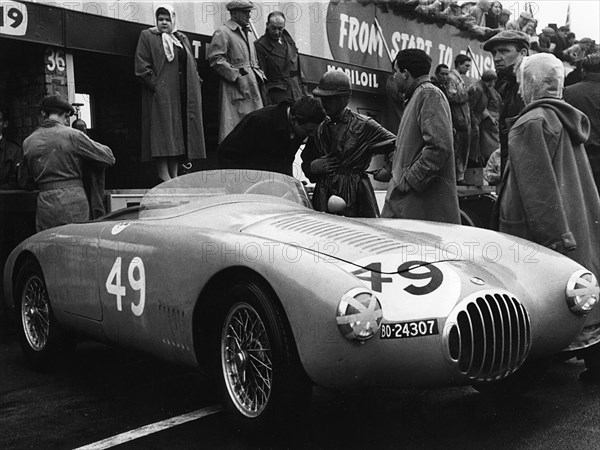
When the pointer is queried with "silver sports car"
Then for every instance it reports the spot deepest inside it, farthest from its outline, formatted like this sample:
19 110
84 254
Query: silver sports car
233 272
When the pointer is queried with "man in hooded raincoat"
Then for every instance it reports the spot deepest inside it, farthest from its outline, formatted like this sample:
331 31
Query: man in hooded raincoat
548 193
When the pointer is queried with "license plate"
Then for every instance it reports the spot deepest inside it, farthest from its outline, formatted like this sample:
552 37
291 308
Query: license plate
404 330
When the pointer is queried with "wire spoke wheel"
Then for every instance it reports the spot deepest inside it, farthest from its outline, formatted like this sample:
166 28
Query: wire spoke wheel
247 360
41 337
35 313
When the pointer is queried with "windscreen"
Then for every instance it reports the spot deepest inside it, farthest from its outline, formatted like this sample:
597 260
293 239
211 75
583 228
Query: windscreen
200 186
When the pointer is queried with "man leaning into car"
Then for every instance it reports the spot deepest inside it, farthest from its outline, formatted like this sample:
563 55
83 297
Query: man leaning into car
268 139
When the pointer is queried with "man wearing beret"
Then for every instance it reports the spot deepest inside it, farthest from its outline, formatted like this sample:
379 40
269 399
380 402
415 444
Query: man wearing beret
55 155
508 49
232 55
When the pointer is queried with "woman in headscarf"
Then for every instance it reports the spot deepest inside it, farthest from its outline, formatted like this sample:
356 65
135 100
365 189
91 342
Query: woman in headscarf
172 128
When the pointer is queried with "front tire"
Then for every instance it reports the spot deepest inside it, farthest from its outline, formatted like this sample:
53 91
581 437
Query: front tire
40 336
262 381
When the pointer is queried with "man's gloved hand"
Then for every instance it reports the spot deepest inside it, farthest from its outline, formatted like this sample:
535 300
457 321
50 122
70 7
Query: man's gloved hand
325 165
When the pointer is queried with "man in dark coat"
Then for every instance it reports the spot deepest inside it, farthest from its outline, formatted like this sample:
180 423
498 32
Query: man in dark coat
339 154
508 49
585 96
279 59
423 184
440 77
484 121
458 98
268 139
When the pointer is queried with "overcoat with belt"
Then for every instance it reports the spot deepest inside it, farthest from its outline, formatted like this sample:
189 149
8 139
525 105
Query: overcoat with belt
162 131
232 55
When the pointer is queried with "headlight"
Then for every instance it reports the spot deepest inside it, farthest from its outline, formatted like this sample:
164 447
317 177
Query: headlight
582 292
359 314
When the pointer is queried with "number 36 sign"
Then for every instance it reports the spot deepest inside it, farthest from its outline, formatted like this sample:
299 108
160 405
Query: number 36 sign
13 18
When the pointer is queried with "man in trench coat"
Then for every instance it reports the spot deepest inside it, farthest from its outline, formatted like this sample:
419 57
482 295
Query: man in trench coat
423 184
232 56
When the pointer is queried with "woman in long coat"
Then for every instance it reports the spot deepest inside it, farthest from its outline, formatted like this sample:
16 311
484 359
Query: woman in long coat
172 127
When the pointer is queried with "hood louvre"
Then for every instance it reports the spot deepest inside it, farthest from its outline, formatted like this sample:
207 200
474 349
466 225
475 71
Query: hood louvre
319 229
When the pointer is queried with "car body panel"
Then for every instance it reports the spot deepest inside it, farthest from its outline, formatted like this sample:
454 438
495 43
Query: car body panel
142 282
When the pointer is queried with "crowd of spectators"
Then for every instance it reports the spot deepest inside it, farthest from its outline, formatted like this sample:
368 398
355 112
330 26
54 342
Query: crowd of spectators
484 19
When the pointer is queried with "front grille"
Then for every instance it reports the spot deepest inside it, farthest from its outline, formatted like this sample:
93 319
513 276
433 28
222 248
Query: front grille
488 335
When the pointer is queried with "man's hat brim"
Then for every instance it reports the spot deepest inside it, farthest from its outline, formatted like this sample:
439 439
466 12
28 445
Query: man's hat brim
56 103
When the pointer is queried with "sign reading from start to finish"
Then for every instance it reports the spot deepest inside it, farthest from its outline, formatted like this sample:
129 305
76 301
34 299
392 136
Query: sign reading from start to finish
364 35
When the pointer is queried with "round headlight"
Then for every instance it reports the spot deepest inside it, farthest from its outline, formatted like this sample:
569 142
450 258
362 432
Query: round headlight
582 292
359 314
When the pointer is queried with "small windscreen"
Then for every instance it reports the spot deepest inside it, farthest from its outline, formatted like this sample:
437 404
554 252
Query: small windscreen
200 186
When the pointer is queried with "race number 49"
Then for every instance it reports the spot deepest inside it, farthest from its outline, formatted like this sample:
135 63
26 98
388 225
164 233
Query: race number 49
136 282
13 18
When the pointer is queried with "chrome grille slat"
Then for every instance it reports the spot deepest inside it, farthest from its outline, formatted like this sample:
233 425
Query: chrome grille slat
498 332
488 335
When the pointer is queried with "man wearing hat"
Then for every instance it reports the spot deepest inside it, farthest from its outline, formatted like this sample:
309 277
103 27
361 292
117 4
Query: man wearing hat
546 44
55 155
508 49
232 56
519 24
339 154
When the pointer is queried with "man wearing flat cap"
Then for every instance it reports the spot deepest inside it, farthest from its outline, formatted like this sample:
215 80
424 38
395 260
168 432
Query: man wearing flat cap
232 55
508 49
55 155
519 24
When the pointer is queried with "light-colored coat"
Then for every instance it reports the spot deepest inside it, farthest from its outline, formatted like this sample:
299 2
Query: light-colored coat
241 80
548 194
423 184
162 131
55 156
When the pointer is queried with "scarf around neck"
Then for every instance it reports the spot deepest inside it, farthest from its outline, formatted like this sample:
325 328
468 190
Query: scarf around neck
169 39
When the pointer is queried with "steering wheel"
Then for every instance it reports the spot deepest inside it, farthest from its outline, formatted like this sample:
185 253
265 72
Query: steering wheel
273 188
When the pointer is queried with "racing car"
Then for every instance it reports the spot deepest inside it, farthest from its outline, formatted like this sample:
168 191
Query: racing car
233 272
